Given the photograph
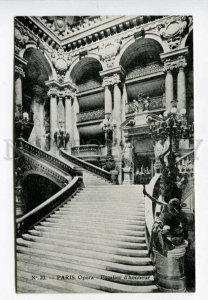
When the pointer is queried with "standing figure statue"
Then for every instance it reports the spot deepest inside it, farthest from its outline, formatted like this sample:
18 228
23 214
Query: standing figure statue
127 154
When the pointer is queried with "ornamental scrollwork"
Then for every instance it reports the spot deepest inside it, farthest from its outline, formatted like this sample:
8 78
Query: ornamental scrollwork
108 51
61 61
173 29
179 62
21 38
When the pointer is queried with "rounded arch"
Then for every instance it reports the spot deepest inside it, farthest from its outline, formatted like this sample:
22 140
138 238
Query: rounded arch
186 38
132 40
85 73
140 51
52 74
37 173
75 63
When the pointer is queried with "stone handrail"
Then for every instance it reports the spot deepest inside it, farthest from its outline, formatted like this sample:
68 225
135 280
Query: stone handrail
87 166
32 150
147 70
95 114
43 210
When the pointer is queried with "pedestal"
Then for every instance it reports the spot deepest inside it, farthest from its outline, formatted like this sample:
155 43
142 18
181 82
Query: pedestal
127 176
170 270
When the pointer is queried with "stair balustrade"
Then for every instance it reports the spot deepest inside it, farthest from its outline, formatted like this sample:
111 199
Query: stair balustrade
47 207
26 147
87 166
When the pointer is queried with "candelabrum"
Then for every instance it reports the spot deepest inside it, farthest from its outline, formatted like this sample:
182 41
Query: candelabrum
170 129
109 127
61 137
23 124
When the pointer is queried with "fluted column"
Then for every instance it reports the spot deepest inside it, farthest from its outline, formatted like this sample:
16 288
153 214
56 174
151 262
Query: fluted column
19 74
107 96
181 84
169 89
53 93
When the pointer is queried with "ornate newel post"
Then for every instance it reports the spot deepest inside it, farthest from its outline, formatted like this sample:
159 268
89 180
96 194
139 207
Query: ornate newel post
53 93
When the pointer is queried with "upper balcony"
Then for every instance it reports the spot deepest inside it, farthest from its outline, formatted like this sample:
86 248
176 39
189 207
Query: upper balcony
91 115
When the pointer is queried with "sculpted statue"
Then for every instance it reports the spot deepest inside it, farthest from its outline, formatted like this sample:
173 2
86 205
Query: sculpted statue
127 154
169 228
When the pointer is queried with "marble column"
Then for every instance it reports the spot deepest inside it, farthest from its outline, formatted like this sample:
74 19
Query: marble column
181 84
169 91
124 103
117 107
68 116
53 93
19 73
107 97
61 114
75 108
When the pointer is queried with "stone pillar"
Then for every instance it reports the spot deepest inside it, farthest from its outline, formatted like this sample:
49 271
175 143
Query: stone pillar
68 116
38 131
75 107
19 73
124 103
61 114
117 107
169 91
181 84
53 93
107 97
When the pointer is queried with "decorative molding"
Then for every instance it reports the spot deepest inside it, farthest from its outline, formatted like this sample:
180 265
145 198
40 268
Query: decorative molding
111 80
175 64
19 71
61 61
173 29
96 114
108 51
22 36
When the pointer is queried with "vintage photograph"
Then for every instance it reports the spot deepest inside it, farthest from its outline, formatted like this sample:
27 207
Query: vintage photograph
104 154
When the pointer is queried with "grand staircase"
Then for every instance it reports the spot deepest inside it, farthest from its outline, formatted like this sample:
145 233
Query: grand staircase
96 242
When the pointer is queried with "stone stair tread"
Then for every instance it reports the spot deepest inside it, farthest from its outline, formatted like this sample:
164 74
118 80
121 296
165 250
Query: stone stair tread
144 266
88 240
94 270
105 284
30 286
131 231
109 236
85 246
89 253
55 285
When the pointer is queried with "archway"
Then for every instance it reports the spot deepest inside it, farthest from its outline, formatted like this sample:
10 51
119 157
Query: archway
34 93
36 189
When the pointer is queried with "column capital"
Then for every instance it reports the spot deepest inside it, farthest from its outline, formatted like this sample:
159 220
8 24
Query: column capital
111 80
175 64
20 64
19 71
53 91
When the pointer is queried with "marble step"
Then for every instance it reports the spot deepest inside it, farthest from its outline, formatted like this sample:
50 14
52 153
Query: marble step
98 284
86 218
88 240
55 286
126 232
26 285
129 260
116 211
144 267
95 247
77 270
96 235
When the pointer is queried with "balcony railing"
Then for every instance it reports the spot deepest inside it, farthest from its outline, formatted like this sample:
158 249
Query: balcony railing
155 103
87 150
96 114
142 71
